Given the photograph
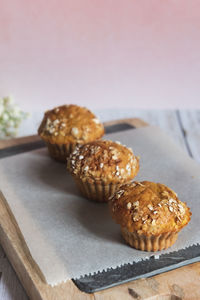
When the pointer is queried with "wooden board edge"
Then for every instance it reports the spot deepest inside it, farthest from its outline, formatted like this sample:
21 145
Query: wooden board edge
18 141
136 122
11 240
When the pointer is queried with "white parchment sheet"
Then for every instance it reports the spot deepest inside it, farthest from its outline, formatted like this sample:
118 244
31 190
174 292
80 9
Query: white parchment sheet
69 236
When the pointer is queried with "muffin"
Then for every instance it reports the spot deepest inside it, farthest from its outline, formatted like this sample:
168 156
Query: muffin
99 168
65 127
150 215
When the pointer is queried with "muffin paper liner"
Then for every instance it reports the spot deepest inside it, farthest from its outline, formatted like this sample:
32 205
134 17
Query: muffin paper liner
149 243
99 192
60 152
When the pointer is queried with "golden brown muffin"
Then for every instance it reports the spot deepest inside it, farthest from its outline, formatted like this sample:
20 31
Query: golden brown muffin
65 127
100 167
150 215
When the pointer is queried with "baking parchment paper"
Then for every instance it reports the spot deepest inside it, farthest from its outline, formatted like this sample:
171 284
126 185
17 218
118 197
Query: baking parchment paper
69 236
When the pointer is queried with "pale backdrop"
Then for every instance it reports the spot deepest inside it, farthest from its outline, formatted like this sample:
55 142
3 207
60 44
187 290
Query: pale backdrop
100 53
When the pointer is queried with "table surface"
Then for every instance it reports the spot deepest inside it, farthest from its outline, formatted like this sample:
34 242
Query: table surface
183 126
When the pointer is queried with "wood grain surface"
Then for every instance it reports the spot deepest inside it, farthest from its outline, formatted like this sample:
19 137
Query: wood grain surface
183 283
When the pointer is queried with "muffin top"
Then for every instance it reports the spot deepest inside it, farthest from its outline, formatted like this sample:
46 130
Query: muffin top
149 208
70 123
105 161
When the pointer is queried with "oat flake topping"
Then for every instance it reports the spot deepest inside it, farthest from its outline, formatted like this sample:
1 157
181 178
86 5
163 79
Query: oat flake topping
106 160
70 123
149 208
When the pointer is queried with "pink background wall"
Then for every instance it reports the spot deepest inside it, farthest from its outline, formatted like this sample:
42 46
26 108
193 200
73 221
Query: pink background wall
100 53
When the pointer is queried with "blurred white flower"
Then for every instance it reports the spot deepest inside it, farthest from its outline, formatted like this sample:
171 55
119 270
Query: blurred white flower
11 123
1 109
5 116
10 117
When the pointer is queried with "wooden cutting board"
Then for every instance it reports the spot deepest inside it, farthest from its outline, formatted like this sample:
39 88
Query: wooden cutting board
182 283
